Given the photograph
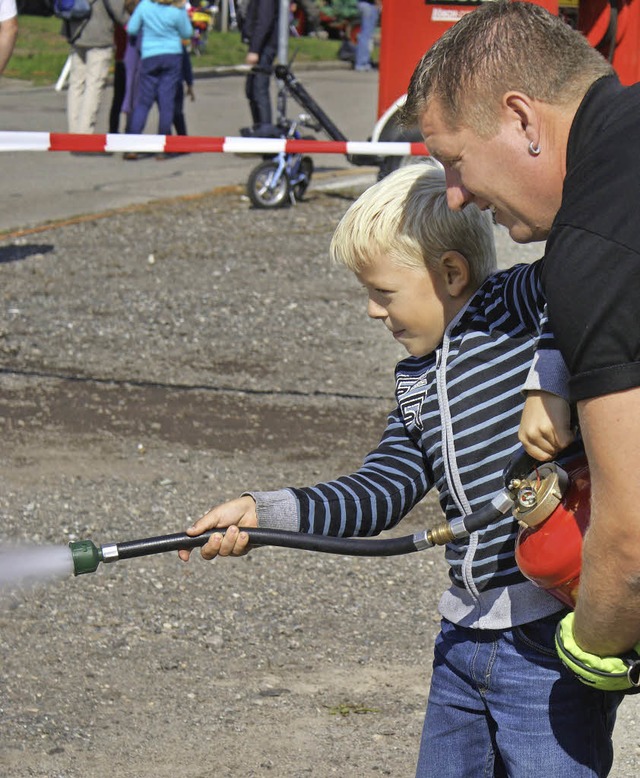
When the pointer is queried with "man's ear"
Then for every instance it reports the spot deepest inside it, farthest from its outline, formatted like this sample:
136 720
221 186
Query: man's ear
521 109
454 270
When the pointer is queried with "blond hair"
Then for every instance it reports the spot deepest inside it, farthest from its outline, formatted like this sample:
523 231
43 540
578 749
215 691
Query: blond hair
499 47
406 217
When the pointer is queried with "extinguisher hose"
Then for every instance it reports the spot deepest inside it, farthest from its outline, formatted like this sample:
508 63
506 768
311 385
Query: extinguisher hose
486 515
274 537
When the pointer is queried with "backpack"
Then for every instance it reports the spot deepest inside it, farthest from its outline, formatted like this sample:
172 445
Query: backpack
69 10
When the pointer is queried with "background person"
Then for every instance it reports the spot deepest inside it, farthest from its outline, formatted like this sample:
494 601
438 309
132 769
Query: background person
369 15
179 121
91 55
8 31
164 25
497 685
260 33
119 77
530 120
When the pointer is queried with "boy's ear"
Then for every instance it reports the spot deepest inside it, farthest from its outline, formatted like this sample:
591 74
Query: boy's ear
454 270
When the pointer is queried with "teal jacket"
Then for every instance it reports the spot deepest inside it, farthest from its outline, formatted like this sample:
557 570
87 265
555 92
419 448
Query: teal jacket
164 28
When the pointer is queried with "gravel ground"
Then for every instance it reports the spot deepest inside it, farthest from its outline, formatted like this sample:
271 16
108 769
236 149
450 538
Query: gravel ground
153 363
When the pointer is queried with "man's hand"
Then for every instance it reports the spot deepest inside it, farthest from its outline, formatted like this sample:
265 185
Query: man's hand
608 674
252 58
231 516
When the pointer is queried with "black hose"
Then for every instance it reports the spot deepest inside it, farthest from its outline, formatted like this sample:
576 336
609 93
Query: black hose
482 517
273 537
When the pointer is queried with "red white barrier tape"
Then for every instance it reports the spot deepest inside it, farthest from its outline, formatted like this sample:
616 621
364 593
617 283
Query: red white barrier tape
192 144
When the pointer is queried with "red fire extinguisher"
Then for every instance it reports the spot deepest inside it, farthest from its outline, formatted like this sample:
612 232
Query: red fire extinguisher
552 506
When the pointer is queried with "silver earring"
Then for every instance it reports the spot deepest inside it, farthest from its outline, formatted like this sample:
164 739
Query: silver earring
534 150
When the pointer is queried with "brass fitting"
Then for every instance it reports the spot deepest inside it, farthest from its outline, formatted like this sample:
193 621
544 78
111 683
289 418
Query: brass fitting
441 534
538 495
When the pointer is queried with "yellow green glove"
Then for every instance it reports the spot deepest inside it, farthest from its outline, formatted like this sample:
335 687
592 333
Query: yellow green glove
609 673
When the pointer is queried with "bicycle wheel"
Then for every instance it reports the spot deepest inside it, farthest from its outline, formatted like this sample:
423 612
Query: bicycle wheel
306 169
265 189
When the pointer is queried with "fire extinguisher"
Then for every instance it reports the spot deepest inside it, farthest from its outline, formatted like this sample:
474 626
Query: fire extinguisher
552 506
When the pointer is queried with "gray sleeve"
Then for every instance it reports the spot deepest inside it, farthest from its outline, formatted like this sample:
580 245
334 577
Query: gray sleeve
276 510
548 373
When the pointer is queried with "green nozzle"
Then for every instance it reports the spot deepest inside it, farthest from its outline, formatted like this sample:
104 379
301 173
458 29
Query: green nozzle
86 556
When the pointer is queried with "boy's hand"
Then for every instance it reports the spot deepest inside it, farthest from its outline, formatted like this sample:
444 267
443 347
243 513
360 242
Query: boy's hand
190 93
234 514
544 427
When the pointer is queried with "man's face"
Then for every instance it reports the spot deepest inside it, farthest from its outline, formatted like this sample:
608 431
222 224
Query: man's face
496 173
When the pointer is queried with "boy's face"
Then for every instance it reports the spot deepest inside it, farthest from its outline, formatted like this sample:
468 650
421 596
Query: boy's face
413 303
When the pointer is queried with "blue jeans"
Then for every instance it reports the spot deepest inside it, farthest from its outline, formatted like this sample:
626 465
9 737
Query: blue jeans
502 704
257 88
369 14
158 81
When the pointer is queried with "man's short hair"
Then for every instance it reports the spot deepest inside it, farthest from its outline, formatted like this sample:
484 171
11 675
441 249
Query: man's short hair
406 217
499 47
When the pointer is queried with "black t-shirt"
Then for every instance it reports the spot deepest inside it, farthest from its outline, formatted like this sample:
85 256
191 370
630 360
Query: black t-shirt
592 261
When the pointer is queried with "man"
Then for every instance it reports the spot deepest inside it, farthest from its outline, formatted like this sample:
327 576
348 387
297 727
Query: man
260 32
91 56
531 122
8 31
369 15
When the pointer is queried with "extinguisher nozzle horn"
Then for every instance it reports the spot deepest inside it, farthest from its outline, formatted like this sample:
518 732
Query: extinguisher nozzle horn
86 556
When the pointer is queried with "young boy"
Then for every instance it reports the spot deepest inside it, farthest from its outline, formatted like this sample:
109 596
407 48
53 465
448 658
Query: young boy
500 701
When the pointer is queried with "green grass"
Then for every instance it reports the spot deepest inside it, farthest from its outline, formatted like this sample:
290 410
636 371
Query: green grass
41 51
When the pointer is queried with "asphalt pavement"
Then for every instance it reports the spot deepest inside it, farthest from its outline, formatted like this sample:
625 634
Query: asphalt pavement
42 186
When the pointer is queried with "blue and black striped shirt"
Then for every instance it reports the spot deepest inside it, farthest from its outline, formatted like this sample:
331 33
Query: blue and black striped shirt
454 428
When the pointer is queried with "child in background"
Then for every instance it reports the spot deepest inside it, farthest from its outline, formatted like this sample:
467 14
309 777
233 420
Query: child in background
501 702
164 26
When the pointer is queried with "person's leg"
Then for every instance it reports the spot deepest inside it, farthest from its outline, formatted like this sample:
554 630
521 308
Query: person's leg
98 61
458 738
169 76
501 703
75 92
119 86
146 95
258 90
179 122
369 14
548 723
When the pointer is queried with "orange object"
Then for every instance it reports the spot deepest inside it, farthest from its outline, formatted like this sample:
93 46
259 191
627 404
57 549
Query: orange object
410 27
550 553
